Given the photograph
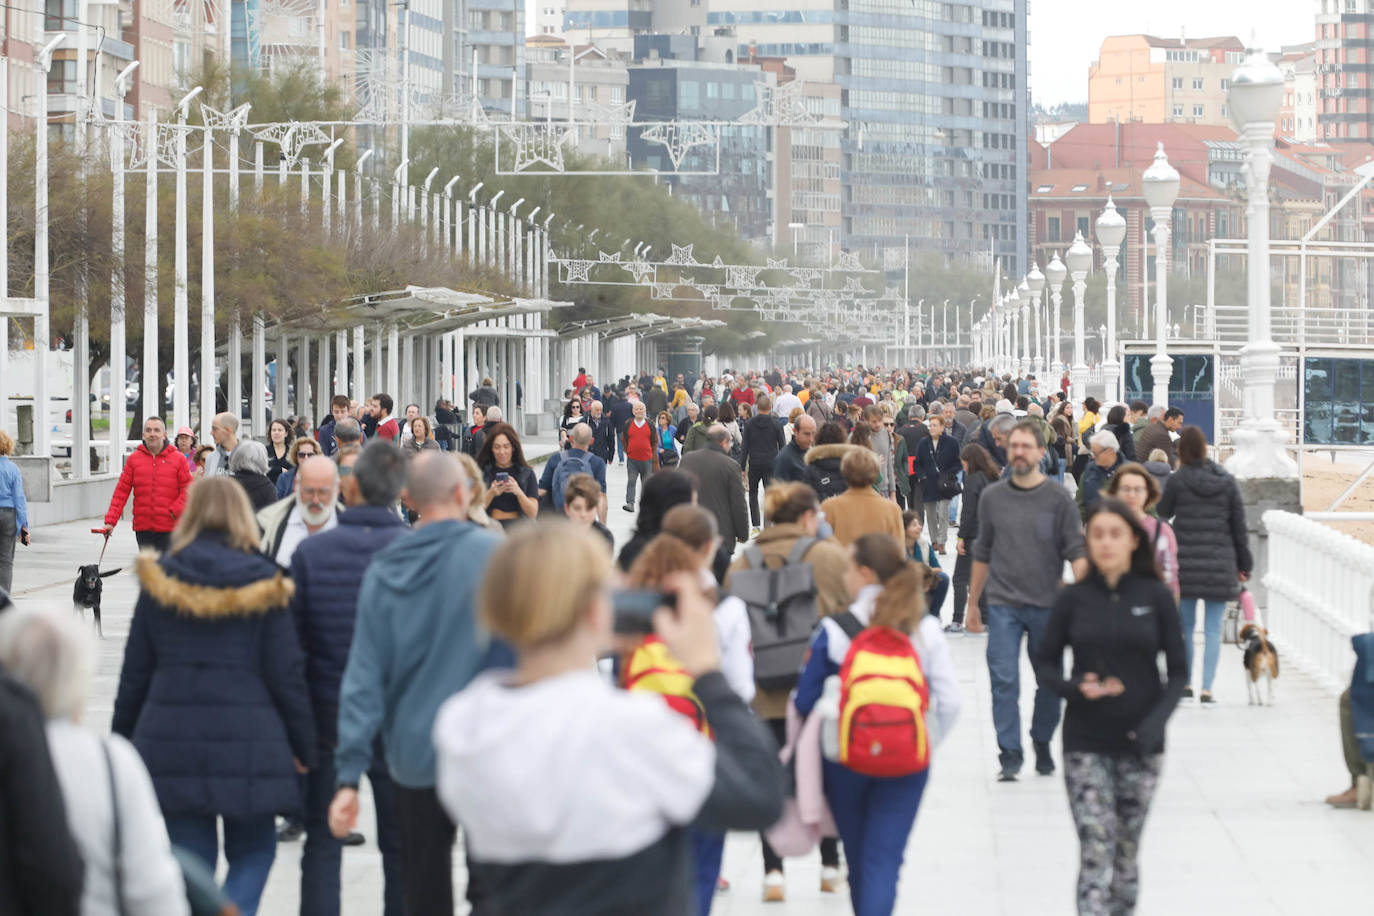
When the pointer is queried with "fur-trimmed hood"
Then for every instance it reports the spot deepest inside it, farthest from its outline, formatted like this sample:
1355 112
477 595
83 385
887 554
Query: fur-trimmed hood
835 450
213 582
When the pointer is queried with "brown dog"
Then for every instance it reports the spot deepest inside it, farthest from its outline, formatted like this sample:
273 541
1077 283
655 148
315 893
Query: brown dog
1261 661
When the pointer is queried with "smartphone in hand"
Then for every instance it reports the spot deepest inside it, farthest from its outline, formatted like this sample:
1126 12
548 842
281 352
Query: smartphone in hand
632 610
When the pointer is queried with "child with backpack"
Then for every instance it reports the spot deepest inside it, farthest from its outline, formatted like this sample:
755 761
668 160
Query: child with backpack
872 674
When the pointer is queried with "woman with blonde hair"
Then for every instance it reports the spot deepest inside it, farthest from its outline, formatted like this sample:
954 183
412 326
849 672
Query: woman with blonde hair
212 690
607 829
875 814
301 449
104 781
421 437
477 514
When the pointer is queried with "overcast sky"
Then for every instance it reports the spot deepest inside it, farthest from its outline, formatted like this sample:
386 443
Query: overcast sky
1066 34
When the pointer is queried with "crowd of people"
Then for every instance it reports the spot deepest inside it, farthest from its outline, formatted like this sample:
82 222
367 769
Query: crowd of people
411 600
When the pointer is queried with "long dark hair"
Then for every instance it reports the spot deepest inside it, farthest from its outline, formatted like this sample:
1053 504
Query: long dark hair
662 491
517 454
979 461
1143 557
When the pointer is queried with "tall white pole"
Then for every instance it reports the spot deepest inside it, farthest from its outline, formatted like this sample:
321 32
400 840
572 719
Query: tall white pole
181 358
1111 366
149 372
1078 375
235 363
5 248
118 344
207 291
42 339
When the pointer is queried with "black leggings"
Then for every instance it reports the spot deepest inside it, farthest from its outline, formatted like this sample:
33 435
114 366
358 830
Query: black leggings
757 476
830 846
963 568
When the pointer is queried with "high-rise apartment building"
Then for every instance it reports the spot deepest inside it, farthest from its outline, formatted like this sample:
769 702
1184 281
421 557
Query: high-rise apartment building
1345 53
496 35
1298 113
1158 80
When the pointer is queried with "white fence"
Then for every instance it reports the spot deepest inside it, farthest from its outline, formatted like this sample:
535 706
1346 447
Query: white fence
1321 593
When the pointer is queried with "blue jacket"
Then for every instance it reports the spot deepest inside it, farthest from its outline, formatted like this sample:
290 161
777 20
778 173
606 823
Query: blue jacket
12 491
327 569
285 481
212 692
416 643
598 468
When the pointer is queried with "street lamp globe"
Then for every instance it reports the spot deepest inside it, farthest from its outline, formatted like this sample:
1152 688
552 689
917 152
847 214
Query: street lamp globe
1111 226
1056 272
1035 280
1256 91
1160 182
1080 255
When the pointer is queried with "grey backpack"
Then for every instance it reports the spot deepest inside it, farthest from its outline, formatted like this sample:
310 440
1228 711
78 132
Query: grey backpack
781 603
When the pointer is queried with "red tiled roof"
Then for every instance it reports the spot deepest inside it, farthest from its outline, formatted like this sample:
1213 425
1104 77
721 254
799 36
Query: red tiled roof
1095 184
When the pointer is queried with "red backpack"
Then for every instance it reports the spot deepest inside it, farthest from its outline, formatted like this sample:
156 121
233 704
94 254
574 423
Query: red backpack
883 702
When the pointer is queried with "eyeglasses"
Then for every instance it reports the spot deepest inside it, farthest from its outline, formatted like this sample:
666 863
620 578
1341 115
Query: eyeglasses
889 425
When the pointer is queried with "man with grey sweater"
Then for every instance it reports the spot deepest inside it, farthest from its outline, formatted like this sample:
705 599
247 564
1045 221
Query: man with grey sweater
1028 526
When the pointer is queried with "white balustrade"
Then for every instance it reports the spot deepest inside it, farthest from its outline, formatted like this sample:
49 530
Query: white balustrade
1321 593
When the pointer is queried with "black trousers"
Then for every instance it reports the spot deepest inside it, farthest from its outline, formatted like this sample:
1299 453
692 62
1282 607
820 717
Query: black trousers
157 540
757 476
830 846
427 837
963 569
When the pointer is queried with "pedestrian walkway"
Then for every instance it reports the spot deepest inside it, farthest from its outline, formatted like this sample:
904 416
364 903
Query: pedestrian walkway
1238 825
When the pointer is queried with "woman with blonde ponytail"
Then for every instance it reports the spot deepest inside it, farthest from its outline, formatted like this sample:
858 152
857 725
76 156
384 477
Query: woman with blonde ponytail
875 814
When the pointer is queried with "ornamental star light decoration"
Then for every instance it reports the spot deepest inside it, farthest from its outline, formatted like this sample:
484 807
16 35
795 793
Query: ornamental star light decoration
639 269
293 137
232 120
682 256
538 143
848 261
776 263
741 277
854 285
662 290
680 137
576 271
609 258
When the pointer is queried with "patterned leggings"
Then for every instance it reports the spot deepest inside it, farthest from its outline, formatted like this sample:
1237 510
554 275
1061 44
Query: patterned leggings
1109 796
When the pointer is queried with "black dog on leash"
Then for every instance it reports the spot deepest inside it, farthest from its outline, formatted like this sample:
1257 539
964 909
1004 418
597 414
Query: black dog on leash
86 593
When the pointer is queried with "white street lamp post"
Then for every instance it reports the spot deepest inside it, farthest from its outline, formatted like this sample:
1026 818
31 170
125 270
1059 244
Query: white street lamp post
181 357
1111 232
1080 260
117 282
1055 272
1160 185
1256 92
1023 297
1036 281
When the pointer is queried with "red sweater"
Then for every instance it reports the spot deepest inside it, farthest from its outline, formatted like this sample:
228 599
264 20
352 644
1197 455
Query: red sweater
639 441
158 483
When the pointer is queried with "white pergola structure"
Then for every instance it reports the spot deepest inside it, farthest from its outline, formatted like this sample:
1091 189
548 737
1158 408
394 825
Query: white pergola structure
418 345
610 348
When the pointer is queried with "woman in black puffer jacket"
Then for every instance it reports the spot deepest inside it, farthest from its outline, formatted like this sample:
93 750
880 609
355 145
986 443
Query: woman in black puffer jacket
1116 423
1204 505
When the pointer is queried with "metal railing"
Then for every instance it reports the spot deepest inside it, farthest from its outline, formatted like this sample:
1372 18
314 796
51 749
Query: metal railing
1321 593
1315 326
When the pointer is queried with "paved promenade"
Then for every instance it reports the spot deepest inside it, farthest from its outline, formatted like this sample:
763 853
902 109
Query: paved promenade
1238 825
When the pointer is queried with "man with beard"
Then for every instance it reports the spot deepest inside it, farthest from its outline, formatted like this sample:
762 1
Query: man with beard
313 508
1028 526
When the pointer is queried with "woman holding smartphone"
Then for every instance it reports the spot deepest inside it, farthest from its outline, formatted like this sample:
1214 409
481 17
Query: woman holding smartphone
1118 621
512 487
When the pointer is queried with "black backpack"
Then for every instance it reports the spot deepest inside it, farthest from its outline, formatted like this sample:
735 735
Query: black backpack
781 603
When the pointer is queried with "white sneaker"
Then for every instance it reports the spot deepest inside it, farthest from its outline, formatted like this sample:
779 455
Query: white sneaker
830 880
773 887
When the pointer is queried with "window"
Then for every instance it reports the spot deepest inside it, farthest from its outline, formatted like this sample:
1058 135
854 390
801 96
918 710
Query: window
343 41
1197 111
1178 111
1225 85
62 77
1084 228
1197 84
1177 82
1042 189
1079 188
1052 229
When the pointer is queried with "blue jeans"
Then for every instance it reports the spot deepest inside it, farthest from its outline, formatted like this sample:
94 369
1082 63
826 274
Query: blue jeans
935 598
250 845
874 817
1006 625
956 502
707 851
321 857
619 449
1211 630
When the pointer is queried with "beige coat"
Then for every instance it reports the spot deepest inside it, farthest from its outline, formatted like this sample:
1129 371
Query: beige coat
828 561
855 513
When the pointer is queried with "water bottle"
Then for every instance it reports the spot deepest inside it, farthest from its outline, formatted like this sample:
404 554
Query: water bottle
828 708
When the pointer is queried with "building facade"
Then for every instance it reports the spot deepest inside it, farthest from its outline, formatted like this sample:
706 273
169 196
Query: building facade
1345 66
735 181
1151 79
1298 114
496 37
599 83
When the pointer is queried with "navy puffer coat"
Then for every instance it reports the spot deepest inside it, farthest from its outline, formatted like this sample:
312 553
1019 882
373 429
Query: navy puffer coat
1204 505
212 692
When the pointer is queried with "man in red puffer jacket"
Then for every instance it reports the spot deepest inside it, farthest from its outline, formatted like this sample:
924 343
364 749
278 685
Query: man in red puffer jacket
158 477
